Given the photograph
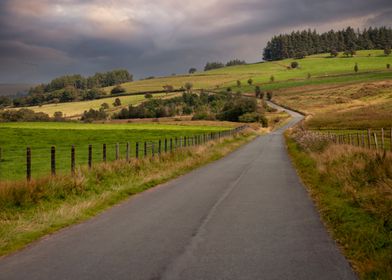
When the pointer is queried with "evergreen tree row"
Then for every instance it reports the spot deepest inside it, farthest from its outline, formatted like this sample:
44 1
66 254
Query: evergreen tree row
307 42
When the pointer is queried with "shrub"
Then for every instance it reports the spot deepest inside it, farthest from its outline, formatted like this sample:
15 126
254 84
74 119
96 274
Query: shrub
309 76
387 50
269 95
23 115
188 86
58 116
117 102
94 115
238 83
117 90
334 53
294 64
104 106
272 78
250 81
257 91
388 66
356 68
203 116
148 95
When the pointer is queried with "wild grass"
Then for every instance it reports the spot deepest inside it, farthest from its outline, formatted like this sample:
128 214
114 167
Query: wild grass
355 106
15 137
352 188
29 211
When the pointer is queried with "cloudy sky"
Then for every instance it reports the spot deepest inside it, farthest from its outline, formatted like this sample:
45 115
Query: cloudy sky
41 39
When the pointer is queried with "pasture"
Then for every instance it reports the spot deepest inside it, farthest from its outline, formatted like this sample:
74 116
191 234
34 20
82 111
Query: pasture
15 137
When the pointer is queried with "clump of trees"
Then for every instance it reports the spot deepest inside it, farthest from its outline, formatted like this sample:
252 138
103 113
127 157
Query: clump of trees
192 70
213 65
117 90
234 62
221 106
23 115
73 88
298 44
94 115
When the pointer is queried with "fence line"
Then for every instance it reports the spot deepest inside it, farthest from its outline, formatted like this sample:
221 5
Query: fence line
370 138
142 149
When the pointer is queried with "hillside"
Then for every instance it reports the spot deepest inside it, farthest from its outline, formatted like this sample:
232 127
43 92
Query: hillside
322 70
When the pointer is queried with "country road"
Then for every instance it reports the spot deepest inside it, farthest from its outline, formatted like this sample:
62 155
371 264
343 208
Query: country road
246 216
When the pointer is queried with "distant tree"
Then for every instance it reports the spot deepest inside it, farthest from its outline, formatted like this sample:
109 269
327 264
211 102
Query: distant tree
192 70
250 81
388 66
387 50
356 68
58 116
117 102
213 65
235 62
94 115
257 91
104 106
238 83
334 53
117 89
168 88
294 64
188 86
148 95
272 78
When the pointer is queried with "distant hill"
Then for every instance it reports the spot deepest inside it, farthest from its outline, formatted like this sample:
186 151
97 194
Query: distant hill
14 89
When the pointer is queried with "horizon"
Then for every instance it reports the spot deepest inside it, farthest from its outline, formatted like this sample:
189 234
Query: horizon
47 39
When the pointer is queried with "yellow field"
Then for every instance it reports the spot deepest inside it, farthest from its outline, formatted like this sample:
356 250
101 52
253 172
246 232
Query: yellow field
75 109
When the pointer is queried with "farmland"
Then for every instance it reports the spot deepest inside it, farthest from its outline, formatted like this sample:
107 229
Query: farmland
41 136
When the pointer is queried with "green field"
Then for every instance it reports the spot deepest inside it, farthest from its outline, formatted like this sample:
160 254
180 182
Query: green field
15 137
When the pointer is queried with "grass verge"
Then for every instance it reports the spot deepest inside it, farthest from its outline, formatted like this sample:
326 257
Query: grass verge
30 211
352 188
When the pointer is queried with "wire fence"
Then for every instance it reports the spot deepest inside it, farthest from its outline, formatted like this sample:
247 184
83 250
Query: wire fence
378 139
16 164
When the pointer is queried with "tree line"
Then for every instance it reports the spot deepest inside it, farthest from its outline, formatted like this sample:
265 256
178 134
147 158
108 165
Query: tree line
217 64
70 88
299 44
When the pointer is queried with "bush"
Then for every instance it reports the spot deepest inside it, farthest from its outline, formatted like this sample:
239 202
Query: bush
94 115
269 95
387 50
58 116
250 81
104 106
388 66
148 95
238 83
117 90
203 116
23 115
356 68
117 102
334 53
254 117
294 64
272 78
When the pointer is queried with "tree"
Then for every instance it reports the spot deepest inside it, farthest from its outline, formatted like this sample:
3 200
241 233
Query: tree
168 88
356 68
294 64
387 50
388 66
238 83
272 78
188 86
58 116
192 70
234 62
334 53
250 81
257 91
117 89
117 102
213 65
104 106
269 95
148 95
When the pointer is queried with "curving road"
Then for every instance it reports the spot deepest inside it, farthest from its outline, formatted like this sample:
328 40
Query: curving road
246 216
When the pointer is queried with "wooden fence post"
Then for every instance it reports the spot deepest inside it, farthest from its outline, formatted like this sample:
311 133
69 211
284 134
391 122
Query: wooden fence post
159 147
117 151
375 140
28 164
137 150
73 160
127 152
1 154
104 152
153 149
185 143
171 144
382 139
165 145
90 155
390 140
369 139
363 140
53 160
358 142
145 148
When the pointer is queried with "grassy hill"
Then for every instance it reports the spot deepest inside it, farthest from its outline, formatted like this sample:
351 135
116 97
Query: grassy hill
322 68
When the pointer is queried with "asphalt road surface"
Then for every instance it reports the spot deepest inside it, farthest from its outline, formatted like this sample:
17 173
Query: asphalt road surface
246 216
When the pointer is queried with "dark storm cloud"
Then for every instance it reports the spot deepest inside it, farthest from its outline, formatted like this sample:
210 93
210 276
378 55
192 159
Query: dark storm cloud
43 38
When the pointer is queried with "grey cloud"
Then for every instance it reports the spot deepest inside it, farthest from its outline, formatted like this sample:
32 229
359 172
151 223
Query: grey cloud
157 37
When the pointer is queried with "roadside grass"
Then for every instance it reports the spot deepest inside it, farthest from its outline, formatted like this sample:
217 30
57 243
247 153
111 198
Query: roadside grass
15 137
352 188
30 211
